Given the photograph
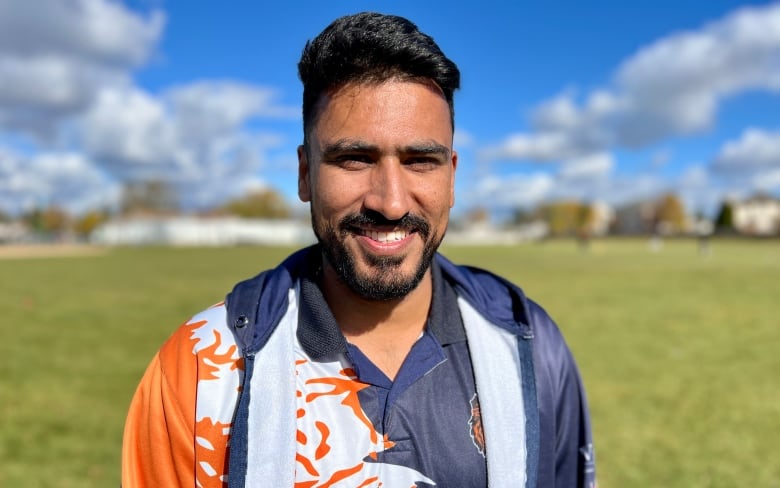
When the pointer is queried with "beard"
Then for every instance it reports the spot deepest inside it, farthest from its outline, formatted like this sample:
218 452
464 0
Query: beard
384 280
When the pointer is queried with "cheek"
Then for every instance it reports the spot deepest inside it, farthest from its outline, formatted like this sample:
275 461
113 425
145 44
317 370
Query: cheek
437 198
334 198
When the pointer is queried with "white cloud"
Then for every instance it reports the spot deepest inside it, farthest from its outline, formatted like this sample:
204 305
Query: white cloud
672 87
130 129
67 180
66 81
556 114
97 31
507 192
547 146
751 163
588 167
677 83
55 56
756 149
561 130
767 181
193 137
217 107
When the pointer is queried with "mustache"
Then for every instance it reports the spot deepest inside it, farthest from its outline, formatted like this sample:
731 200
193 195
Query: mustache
368 218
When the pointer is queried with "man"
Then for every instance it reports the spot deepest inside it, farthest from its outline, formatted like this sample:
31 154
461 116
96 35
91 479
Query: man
367 359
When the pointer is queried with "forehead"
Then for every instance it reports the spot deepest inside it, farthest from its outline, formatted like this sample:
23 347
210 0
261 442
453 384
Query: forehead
390 110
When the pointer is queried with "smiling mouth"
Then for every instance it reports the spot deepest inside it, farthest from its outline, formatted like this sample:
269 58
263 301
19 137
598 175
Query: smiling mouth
374 226
392 236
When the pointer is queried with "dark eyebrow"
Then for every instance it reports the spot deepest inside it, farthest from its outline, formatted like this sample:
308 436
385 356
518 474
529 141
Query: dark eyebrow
350 145
433 148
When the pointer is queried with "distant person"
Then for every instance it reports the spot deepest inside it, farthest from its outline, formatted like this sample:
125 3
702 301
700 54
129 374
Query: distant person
367 359
704 229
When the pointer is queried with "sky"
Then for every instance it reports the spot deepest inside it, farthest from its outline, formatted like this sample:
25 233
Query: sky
604 100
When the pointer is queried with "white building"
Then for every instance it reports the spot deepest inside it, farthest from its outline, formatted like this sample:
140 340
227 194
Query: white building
196 231
12 232
602 218
759 216
482 233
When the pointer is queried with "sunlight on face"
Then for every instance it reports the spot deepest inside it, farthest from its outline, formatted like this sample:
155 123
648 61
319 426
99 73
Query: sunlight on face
379 173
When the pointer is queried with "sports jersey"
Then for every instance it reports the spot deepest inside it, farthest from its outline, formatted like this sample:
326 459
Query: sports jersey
218 405
356 425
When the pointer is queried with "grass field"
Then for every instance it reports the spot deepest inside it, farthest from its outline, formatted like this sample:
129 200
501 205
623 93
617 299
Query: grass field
680 353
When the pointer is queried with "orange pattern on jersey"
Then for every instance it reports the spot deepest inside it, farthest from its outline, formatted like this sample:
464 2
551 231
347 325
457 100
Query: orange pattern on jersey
210 452
325 465
211 434
369 481
349 386
191 388
178 425
209 359
342 475
323 448
307 464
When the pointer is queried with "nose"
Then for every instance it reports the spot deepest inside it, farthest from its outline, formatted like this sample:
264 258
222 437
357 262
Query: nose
389 192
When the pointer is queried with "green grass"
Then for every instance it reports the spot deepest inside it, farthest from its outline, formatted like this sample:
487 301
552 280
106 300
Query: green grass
679 352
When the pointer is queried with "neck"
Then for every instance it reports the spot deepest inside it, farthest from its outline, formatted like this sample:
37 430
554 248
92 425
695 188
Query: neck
358 316
383 330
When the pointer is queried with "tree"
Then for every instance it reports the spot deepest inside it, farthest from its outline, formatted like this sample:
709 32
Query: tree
522 216
565 217
149 197
49 221
670 213
84 225
724 222
265 204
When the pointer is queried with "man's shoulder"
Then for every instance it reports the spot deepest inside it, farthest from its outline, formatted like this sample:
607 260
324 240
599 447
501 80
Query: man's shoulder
280 277
195 347
256 305
504 304
498 298
199 332
486 291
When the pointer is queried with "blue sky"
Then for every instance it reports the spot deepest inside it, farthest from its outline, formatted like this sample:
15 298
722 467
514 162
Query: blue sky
600 100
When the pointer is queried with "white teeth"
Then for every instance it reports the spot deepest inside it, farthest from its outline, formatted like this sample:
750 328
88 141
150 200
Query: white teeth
397 235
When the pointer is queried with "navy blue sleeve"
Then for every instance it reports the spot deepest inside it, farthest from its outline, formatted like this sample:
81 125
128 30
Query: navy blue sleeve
566 457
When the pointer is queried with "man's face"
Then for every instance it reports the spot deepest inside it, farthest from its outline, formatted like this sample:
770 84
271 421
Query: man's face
379 173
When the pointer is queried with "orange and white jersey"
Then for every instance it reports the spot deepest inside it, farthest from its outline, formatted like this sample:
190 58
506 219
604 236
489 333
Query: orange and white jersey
178 425
230 400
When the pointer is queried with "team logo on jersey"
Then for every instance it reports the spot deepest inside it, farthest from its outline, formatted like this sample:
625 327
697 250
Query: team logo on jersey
475 426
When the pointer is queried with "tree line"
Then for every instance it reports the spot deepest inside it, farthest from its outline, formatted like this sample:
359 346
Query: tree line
143 199
565 218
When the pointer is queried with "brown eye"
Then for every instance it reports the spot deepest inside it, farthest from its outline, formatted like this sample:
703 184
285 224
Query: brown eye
353 161
422 163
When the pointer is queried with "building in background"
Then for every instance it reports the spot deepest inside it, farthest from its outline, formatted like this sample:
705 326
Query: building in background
199 231
757 216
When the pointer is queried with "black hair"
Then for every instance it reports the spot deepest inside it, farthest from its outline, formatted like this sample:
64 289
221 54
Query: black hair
372 48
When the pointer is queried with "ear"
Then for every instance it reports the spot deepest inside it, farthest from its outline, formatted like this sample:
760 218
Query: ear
304 186
452 177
